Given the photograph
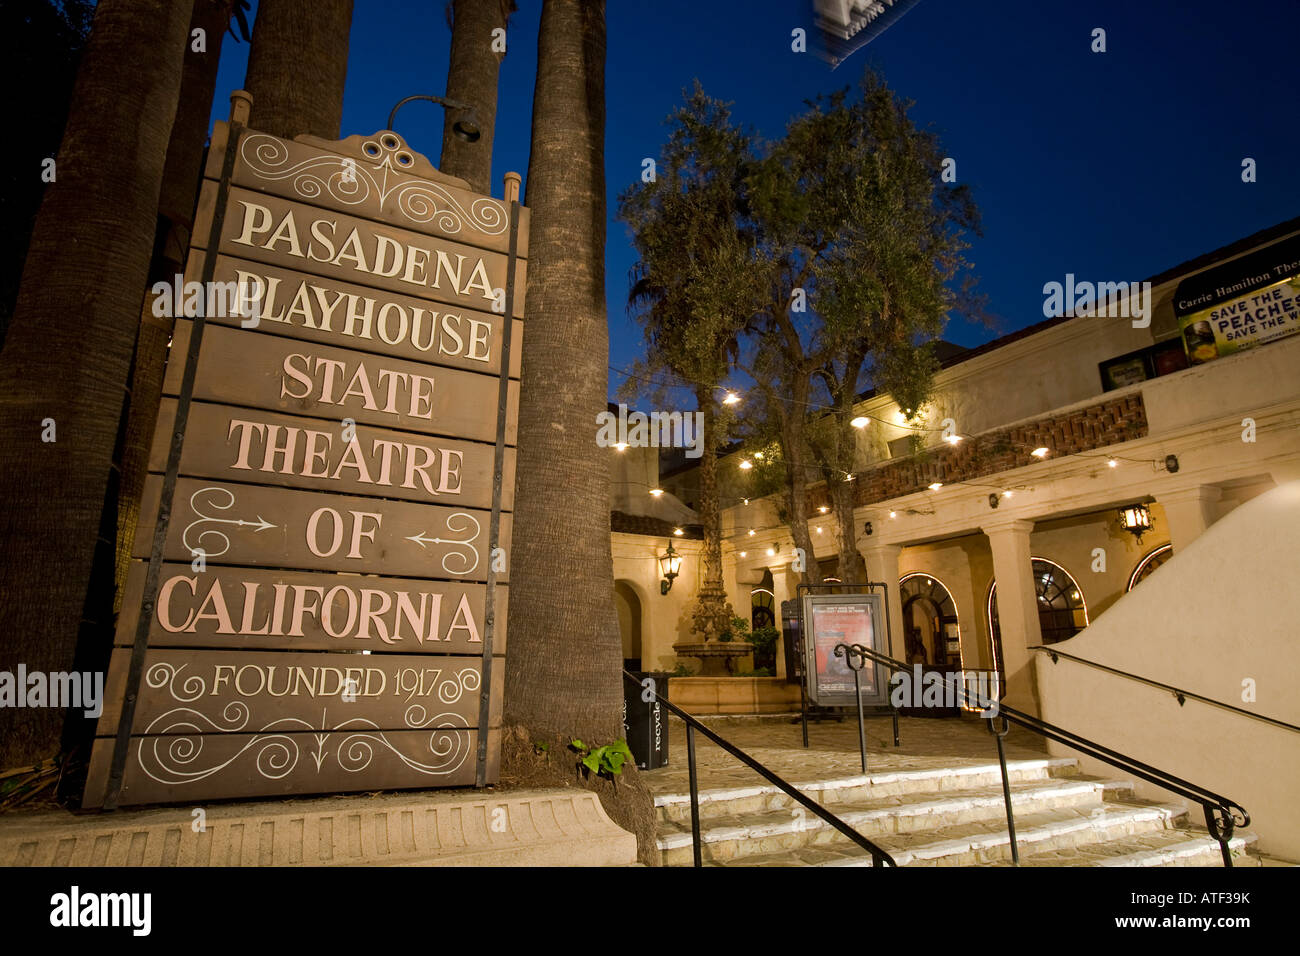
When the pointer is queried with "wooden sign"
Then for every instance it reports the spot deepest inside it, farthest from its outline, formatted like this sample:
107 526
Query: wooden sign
390 183
351 316
333 245
318 591
285 762
335 384
309 611
261 526
293 452
237 692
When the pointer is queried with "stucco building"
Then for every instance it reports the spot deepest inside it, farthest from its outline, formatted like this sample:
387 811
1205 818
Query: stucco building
1011 539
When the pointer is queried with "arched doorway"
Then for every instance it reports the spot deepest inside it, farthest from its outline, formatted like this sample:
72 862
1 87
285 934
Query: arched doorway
931 632
1062 611
628 606
762 603
762 614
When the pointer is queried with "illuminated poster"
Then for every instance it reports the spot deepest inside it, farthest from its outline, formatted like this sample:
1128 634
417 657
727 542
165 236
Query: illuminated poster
835 619
1247 302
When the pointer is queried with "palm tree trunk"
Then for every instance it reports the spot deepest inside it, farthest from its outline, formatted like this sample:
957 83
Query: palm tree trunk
565 654
563 670
297 66
68 354
472 78
181 175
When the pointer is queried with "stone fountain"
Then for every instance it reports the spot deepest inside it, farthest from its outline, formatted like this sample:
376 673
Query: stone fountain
717 658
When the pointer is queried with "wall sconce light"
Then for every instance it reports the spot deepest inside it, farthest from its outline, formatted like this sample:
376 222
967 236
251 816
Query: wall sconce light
994 499
1136 520
670 564
1171 463
867 529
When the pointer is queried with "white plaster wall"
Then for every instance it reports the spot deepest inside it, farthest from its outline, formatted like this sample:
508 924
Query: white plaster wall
1222 611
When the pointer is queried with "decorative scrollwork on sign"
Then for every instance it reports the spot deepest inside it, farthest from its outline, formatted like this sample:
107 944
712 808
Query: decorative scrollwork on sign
163 674
456 528
175 758
351 183
415 718
221 538
451 689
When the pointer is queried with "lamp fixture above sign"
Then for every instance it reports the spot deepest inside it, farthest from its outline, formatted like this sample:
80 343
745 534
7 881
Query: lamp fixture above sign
465 128
1136 520
670 564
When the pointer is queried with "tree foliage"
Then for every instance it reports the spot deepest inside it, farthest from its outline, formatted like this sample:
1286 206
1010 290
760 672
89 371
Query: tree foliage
821 265
693 287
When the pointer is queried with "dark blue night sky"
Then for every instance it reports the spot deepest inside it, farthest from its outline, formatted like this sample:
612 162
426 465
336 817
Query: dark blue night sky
1112 166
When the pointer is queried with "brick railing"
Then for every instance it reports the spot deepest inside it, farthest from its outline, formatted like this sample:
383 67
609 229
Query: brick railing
1107 423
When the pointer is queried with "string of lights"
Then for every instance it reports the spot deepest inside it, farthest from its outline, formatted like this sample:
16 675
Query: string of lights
818 470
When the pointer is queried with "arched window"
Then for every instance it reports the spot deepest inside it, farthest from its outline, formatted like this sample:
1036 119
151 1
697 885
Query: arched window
931 631
1062 611
1148 565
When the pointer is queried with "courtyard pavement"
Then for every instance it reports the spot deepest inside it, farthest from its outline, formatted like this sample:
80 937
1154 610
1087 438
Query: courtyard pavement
833 752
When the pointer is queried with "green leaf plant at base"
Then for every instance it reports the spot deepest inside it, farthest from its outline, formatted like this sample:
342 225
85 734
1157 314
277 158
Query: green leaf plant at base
606 761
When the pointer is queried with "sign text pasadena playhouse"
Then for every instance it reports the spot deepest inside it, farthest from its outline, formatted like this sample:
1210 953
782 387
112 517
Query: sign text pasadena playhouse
373 255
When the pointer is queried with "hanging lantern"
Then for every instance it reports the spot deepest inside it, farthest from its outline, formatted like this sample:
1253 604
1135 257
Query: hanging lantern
1136 520
670 564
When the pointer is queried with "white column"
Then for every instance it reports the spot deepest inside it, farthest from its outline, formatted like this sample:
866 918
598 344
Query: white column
882 568
1017 600
1189 512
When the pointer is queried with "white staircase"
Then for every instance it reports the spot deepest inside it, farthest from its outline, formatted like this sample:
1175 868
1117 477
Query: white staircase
951 816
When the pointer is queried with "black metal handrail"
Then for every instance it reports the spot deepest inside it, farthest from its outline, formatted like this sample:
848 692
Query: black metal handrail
1179 694
879 857
1220 812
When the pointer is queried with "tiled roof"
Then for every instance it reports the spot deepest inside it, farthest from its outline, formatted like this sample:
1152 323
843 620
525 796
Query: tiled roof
623 523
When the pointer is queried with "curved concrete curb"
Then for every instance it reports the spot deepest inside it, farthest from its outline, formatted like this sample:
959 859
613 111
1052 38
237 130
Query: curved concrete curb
517 828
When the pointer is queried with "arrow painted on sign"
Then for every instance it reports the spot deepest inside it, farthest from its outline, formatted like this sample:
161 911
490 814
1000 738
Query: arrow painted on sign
261 524
422 540
470 563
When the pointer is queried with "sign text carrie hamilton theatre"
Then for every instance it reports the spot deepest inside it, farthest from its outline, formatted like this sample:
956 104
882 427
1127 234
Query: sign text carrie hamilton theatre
317 600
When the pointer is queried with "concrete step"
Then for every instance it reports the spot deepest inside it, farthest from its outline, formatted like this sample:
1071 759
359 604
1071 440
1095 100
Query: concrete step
986 842
738 836
839 792
1190 846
